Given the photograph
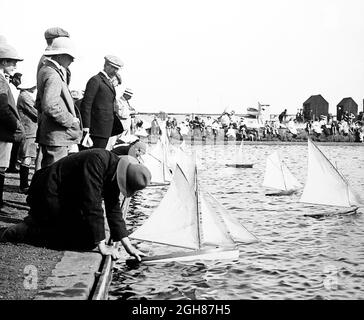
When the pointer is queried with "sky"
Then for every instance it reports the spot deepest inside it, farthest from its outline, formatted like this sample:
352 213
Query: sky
205 56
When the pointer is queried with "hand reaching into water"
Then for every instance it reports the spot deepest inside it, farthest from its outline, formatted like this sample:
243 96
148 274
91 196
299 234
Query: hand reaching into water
131 249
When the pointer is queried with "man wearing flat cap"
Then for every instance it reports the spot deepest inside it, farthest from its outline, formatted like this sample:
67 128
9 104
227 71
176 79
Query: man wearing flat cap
98 104
66 198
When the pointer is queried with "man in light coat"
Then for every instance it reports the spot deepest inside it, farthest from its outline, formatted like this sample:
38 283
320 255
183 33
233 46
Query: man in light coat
59 128
11 129
50 34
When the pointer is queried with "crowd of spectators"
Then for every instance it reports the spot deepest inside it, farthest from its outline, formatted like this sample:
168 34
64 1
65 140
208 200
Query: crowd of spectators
231 127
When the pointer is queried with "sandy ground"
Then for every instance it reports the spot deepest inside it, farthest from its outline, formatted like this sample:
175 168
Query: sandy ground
23 268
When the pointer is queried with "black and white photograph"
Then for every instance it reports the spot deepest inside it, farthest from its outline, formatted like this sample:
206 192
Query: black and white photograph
191 153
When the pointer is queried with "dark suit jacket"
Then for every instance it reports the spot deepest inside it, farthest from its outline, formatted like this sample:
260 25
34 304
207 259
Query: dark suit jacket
69 193
97 108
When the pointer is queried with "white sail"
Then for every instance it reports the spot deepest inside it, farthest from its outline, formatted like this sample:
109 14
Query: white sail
277 175
174 222
155 161
213 229
290 180
324 184
187 164
240 155
155 167
191 219
236 231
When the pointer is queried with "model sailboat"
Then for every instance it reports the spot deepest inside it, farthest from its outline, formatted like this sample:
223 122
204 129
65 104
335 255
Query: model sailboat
240 159
159 163
278 176
191 219
325 185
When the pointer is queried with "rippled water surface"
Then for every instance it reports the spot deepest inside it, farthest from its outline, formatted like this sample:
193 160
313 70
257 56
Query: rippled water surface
298 257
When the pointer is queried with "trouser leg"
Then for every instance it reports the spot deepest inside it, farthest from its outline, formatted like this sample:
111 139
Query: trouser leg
99 142
2 181
24 182
14 158
51 154
25 231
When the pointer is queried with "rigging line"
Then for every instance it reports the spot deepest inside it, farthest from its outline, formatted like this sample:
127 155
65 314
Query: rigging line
329 162
218 204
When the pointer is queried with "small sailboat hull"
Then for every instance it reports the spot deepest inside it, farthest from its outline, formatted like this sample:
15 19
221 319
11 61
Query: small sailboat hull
158 184
240 165
348 212
280 193
203 254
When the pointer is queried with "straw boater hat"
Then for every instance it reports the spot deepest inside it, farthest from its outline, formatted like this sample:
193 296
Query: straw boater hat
114 61
61 45
8 52
131 175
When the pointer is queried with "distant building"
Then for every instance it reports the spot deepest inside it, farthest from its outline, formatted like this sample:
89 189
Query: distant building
346 104
314 107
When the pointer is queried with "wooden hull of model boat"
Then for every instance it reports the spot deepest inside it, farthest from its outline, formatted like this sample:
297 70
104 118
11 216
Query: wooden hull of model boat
280 193
159 184
240 165
348 212
205 254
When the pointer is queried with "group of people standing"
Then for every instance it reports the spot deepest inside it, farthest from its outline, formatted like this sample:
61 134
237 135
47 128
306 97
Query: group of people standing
69 184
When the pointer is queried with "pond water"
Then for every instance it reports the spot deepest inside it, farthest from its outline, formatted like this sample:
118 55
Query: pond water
297 257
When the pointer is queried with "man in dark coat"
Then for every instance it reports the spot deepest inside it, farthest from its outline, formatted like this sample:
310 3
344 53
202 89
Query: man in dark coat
65 202
98 104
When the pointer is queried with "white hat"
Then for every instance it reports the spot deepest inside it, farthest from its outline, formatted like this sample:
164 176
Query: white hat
61 45
9 52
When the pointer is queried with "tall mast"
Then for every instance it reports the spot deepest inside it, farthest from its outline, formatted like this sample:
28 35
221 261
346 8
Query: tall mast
198 213
281 166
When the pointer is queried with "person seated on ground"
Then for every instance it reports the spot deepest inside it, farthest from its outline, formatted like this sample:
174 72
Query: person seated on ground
66 198
316 127
135 149
231 132
291 126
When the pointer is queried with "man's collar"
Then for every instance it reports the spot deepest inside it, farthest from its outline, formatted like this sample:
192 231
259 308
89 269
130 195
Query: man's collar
105 74
57 65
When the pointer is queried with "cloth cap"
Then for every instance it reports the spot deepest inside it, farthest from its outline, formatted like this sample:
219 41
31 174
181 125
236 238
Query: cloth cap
114 61
61 45
127 94
131 175
8 52
55 32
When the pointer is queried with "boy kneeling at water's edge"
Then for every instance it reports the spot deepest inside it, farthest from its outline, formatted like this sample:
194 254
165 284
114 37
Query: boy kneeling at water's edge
65 202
